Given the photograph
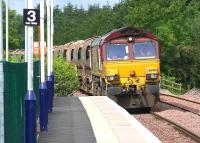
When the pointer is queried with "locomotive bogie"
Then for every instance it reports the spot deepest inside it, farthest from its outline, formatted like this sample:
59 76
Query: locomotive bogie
143 98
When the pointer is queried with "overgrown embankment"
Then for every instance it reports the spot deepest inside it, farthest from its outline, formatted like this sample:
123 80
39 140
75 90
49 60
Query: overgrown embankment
66 77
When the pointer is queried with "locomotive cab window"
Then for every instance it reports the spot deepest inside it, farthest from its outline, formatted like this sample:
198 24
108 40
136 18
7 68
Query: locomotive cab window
144 50
117 52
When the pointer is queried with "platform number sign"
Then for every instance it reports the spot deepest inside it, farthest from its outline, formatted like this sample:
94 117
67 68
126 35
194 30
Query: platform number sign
31 17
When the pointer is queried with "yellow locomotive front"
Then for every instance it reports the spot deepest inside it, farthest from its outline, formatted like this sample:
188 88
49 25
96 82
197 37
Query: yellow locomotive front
131 68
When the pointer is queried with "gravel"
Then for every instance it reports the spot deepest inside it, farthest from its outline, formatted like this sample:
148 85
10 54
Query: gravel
182 103
165 91
186 119
77 93
164 131
193 94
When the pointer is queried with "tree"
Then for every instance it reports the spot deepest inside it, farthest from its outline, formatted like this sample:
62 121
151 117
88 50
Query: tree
16 29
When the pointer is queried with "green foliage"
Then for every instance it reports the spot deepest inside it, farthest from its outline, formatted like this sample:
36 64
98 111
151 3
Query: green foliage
170 83
76 24
170 78
187 68
66 79
176 24
195 31
16 29
18 59
12 59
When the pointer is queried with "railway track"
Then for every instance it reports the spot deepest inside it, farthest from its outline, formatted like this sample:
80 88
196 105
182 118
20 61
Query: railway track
176 126
193 106
176 97
182 108
185 131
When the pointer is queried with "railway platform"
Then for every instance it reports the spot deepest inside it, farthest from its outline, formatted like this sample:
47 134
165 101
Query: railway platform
95 119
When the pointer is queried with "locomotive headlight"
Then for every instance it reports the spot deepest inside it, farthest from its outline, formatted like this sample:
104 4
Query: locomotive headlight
132 73
113 77
130 39
151 76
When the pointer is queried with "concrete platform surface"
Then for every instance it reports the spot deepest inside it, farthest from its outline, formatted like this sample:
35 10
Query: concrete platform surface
68 123
113 124
93 119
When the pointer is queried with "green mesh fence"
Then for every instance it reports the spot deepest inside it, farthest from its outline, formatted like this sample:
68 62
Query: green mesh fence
15 87
37 82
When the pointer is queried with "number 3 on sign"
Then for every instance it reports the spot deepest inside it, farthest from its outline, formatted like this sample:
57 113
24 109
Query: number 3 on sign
32 16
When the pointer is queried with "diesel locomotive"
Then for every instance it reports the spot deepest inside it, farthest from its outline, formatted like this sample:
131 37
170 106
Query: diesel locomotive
123 64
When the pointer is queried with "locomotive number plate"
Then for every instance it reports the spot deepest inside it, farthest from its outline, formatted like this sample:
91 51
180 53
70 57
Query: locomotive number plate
151 70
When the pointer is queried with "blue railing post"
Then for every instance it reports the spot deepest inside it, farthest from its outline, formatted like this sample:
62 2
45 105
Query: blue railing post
43 107
53 79
49 93
43 86
30 117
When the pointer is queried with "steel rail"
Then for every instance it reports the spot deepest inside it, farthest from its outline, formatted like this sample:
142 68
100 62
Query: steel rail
171 104
187 132
180 98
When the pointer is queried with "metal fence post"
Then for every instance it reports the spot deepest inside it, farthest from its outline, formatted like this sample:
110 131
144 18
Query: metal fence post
1 79
52 33
30 98
43 87
30 117
49 78
7 31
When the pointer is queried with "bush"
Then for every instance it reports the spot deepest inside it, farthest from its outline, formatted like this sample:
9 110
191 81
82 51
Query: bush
66 77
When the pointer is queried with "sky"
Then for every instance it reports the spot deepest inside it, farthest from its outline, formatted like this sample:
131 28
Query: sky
19 4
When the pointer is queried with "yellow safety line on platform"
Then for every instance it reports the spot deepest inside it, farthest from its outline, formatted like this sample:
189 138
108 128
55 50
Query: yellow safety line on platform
101 128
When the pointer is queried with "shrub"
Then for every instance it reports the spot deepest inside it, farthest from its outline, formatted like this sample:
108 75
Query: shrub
66 77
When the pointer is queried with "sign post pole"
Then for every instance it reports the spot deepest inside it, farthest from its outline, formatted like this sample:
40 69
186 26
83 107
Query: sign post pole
31 18
7 32
43 87
49 79
52 33
26 41
1 79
